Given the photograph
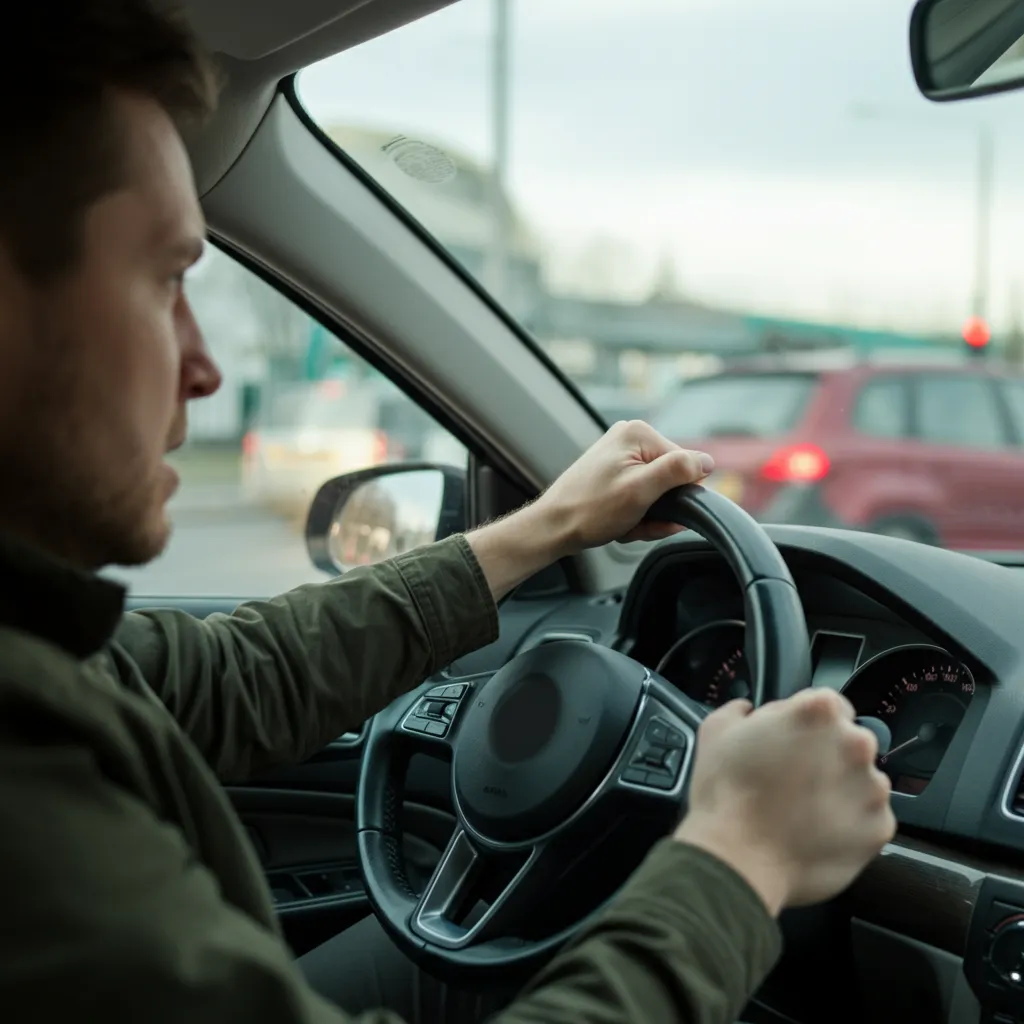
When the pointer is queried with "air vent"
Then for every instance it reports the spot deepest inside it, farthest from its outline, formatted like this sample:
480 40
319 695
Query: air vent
1013 801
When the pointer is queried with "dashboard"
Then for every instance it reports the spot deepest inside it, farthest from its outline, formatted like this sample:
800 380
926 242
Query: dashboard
932 643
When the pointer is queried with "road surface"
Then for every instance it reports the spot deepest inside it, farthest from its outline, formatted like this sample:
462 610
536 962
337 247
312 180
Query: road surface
225 552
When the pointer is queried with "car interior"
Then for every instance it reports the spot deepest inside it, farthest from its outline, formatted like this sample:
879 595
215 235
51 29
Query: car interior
927 640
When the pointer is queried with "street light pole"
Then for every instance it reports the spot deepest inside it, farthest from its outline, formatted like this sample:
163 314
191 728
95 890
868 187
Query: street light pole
984 174
498 249
983 221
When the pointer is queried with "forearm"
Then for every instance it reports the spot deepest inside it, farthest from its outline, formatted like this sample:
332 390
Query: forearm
278 679
512 549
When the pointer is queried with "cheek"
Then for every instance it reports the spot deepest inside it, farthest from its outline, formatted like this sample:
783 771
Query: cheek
151 362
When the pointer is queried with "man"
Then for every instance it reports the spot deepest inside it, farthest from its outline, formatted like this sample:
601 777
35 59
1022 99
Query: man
132 894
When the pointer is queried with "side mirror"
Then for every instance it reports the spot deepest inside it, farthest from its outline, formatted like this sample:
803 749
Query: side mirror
364 517
965 48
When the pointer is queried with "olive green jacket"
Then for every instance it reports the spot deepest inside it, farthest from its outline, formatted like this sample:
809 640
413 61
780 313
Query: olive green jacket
131 892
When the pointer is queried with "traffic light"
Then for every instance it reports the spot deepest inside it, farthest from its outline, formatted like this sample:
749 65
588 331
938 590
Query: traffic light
977 334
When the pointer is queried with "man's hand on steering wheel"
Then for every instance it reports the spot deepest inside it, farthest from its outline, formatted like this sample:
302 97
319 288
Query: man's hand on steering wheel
604 496
789 796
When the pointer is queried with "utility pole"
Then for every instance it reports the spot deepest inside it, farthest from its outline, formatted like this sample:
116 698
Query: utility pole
983 190
498 249
983 221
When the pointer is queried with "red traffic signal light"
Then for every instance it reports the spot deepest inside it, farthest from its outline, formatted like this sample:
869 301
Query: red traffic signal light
976 332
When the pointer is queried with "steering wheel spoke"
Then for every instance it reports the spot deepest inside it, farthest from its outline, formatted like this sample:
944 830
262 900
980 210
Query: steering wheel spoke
476 894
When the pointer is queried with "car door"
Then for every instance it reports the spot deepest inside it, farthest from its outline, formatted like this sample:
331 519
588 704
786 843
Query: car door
965 443
237 535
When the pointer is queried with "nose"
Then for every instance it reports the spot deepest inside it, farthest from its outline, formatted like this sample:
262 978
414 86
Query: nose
200 375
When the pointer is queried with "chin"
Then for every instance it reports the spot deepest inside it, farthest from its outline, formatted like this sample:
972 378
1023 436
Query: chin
143 543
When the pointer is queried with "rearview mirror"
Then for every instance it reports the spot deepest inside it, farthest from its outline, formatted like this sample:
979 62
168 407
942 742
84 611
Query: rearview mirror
966 48
364 517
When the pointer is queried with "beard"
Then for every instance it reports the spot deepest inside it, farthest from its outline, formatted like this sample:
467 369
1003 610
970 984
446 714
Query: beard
75 485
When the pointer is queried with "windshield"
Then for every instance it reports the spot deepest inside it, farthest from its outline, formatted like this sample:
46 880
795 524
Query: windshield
654 190
764 405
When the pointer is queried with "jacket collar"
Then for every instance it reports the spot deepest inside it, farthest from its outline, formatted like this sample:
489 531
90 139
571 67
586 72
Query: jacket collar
76 610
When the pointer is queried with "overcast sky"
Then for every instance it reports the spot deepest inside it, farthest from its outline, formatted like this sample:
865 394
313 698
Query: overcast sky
726 132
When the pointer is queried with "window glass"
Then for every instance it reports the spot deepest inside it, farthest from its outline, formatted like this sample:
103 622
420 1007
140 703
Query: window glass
1013 391
881 409
658 196
735 405
959 411
296 408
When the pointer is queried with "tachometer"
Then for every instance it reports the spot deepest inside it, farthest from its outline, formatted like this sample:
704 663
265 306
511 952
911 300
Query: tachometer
708 664
922 693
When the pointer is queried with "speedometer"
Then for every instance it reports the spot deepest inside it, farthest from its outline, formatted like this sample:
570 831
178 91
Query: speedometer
708 664
922 694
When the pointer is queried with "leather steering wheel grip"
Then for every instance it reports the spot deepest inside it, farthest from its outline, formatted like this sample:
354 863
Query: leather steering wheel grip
778 646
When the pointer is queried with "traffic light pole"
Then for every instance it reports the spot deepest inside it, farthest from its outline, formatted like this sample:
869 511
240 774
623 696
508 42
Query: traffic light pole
983 222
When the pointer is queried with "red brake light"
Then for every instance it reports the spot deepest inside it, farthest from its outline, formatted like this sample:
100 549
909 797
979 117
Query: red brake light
797 464
250 443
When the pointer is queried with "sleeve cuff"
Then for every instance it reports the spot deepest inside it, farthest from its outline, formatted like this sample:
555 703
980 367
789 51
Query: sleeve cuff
452 597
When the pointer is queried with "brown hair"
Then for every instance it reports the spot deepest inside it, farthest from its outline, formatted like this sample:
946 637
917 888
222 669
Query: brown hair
61 148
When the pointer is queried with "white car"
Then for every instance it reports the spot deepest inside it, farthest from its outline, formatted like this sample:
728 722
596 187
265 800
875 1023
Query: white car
305 434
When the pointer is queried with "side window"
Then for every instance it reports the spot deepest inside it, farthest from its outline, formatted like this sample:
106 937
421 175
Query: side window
1013 392
296 408
960 411
882 409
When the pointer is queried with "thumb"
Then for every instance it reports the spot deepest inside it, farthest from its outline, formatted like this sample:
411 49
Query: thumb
675 468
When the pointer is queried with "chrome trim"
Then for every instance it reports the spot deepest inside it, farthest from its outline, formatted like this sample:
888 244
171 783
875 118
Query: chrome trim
1010 788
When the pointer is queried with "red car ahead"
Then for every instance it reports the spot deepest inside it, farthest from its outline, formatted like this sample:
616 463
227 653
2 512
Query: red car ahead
930 452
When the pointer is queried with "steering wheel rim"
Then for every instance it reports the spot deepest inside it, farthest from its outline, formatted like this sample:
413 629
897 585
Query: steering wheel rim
533 783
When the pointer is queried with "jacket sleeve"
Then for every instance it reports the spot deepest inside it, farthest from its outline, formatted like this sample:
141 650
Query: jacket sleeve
276 680
113 920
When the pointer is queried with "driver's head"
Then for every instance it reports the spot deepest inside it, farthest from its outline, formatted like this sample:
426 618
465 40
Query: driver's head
99 220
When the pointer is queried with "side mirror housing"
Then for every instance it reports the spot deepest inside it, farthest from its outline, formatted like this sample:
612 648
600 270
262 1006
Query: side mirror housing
373 514
960 49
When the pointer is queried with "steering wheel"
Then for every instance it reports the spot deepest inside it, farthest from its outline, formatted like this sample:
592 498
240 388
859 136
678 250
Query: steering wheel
547 754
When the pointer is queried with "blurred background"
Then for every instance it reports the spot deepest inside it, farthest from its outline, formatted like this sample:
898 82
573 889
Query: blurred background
734 218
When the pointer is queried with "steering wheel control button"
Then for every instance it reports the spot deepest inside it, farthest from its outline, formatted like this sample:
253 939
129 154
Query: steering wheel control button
436 728
539 737
657 758
414 724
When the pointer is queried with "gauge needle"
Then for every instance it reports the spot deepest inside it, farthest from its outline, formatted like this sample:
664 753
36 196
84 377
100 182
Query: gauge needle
926 734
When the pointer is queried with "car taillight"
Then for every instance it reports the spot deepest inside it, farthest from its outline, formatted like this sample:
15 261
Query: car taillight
250 444
797 464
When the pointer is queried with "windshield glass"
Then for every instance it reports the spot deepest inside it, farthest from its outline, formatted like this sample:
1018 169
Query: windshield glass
655 192
764 405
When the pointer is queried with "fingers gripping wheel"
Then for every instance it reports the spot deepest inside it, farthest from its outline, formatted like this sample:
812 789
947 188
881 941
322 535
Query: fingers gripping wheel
565 744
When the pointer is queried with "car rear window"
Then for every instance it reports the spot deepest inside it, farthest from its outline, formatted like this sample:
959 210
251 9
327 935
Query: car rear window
736 405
